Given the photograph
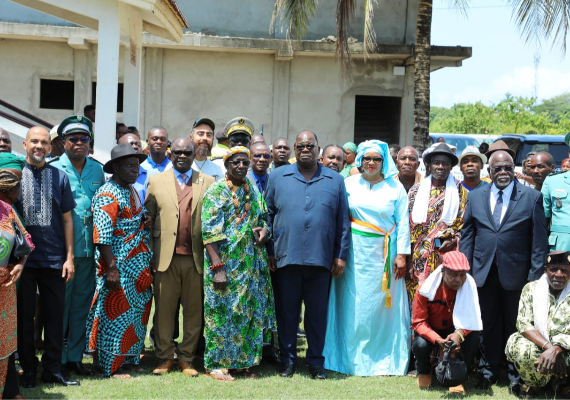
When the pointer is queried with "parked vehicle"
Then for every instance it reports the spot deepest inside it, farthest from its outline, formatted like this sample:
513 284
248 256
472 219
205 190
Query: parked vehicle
524 144
458 140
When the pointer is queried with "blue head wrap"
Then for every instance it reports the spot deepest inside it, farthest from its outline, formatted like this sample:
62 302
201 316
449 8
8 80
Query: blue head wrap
389 169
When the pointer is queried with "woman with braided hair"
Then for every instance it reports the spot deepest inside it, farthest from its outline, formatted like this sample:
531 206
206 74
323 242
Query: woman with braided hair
10 270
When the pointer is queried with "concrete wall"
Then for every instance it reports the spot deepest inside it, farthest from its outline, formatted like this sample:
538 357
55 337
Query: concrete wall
394 19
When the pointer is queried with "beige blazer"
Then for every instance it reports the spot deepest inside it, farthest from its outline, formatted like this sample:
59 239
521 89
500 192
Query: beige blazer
162 205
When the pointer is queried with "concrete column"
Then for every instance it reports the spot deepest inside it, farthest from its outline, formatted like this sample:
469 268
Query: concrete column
281 85
132 67
152 88
407 109
82 71
107 80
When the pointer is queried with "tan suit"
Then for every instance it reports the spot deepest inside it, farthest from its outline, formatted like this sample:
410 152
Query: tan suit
179 276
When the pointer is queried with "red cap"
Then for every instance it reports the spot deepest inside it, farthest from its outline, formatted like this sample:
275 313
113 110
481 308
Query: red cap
455 261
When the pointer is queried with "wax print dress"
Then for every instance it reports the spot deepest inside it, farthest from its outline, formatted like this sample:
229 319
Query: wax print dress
368 328
236 318
116 325
8 311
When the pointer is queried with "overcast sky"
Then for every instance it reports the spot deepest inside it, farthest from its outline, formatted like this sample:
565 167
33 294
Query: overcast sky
501 60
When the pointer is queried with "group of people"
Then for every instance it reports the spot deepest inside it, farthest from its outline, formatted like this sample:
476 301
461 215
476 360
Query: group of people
393 266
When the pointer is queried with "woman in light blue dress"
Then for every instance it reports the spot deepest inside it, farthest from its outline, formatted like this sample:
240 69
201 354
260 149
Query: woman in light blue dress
368 329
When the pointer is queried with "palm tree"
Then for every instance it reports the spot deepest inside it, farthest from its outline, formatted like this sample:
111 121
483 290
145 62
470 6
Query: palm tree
538 20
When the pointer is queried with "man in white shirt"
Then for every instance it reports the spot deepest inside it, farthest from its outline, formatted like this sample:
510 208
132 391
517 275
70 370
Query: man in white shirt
203 138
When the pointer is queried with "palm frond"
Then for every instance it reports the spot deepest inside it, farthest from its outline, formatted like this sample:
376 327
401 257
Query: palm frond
344 12
557 23
294 15
462 6
369 32
533 18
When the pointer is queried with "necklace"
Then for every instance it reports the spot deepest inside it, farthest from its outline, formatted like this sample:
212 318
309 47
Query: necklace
446 302
235 200
200 167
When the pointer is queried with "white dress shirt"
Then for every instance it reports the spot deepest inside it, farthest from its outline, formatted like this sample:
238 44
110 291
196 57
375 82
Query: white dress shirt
507 192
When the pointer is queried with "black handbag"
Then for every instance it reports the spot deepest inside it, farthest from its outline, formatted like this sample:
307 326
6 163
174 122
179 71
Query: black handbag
450 371
21 247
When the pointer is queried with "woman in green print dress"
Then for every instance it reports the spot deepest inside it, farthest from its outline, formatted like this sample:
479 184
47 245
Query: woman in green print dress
238 303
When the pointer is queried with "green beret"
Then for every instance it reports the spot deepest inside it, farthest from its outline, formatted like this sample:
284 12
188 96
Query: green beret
11 161
75 124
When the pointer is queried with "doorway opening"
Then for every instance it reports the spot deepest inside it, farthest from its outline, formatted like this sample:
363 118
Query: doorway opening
377 117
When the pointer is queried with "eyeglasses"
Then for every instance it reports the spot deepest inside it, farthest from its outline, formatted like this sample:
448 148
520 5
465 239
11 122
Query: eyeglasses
5 140
178 153
265 156
375 160
301 147
236 163
74 140
506 168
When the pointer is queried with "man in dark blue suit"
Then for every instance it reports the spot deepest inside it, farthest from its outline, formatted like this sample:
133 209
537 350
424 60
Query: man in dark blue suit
308 213
505 240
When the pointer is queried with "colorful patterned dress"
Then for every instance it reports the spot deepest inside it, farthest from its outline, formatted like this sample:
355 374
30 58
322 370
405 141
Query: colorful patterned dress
236 318
8 311
424 258
116 325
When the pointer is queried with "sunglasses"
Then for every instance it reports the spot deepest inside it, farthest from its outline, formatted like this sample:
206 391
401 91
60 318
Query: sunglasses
74 140
507 168
236 163
309 147
375 160
266 156
237 140
178 153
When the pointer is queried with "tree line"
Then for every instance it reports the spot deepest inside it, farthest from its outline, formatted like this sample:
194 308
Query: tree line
513 114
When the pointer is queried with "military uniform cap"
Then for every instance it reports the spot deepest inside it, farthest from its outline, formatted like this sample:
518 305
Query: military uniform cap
239 125
75 124
558 257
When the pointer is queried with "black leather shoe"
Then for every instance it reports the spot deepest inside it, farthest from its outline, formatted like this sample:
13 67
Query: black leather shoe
57 378
318 373
79 369
287 370
483 383
29 379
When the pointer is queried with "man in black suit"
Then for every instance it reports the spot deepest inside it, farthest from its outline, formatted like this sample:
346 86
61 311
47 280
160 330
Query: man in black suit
505 239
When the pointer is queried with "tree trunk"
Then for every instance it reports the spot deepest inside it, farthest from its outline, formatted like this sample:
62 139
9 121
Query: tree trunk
422 54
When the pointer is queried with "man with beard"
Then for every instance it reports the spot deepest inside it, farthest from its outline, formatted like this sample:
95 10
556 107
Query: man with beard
259 172
471 162
333 157
308 214
408 163
540 166
203 138
281 152
504 237
157 160
5 142
45 203
85 177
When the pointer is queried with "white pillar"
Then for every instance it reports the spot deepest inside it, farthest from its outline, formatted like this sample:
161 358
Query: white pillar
407 109
82 67
132 67
152 89
107 80
281 86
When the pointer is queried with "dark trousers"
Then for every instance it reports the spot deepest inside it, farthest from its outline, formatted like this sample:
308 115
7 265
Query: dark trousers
294 284
499 309
422 349
52 291
11 388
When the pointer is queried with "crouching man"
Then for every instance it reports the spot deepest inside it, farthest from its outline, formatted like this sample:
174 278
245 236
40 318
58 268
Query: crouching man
446 308
540 347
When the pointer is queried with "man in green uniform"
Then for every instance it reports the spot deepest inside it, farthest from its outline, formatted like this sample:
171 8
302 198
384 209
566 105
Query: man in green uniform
555 192
85 177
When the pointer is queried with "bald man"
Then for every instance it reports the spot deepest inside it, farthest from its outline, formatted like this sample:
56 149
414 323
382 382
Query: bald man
408 162
45 203
257 139
539 167
5 142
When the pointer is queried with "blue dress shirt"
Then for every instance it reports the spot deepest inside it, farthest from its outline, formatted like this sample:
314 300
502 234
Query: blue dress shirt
309 219
187 173
153 168
141 183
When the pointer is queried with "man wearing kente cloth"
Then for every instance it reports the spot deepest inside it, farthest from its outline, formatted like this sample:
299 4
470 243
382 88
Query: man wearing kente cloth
540 347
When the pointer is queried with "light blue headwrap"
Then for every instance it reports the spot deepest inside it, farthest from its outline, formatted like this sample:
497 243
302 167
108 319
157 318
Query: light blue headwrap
389 169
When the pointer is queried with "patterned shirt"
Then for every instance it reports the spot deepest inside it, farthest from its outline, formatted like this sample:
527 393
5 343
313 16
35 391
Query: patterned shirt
45 196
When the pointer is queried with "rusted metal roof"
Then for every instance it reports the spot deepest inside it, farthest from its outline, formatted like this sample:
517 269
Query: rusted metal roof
176 10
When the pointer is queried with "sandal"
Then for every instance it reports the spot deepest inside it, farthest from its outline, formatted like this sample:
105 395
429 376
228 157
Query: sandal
221 375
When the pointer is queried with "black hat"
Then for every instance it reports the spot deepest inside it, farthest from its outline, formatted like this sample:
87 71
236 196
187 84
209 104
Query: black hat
558 257
442 149
206 121
119 152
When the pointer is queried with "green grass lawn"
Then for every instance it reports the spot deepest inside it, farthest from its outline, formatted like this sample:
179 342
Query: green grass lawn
269 386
